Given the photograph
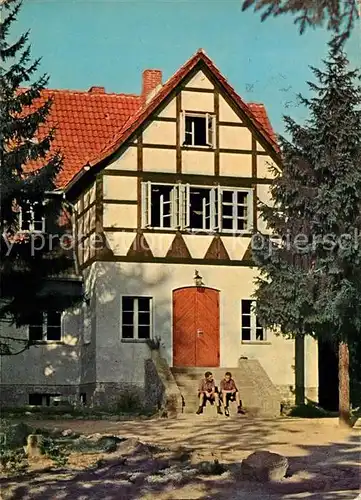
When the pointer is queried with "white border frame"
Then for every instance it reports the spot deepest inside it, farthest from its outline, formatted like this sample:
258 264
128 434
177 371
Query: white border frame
152 311
253 339
45 322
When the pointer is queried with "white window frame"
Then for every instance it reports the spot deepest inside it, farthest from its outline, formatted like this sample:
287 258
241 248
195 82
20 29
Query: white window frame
147 206
253 323
209 124
214 212
136 338
44 325
32 219
181 208
235 205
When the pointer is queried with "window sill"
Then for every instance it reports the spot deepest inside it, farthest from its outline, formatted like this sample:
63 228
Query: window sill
47 342
256 342
197 146
134 341
212 232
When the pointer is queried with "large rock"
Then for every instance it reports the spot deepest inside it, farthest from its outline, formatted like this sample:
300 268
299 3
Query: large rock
15 435
104 444
264 466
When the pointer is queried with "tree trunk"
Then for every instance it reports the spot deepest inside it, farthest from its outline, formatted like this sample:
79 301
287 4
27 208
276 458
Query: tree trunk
300 369
344 384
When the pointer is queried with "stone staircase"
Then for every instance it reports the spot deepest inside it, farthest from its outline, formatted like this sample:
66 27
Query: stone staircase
258 394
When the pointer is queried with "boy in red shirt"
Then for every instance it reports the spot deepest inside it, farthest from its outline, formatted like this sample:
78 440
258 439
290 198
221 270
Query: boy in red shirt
208 392
229 392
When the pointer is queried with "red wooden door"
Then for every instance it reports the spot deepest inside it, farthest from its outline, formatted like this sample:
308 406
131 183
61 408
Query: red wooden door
196 327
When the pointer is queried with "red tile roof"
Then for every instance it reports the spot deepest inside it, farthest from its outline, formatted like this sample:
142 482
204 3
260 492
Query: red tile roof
92 125
84 122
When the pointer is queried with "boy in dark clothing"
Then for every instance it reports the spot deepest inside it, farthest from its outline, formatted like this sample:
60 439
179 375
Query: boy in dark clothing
208 392
229 392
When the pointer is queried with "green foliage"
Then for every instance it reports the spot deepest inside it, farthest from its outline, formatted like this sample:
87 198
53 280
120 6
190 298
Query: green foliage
55 451
28 173
12 455
14 435
338 14
310 279
155 343
13 461
309 411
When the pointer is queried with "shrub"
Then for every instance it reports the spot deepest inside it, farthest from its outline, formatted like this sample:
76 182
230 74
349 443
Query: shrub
57 453
155 343
309 411
12 455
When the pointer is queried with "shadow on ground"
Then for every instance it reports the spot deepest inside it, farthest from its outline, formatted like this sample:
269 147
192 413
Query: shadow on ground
323 470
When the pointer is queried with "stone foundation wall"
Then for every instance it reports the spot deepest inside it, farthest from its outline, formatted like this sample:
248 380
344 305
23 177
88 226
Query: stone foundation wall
116 395
18 395
288 394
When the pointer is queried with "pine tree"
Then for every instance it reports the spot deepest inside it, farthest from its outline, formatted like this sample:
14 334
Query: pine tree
27 173
339 15
310 280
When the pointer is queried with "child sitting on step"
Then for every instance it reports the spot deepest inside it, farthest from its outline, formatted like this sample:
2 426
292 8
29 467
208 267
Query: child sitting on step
229 392
208 392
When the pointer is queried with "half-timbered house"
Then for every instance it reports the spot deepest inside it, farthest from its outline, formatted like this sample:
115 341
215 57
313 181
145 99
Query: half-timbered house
164 188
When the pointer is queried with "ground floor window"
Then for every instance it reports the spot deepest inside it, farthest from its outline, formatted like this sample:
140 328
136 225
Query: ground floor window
251 329
38 399
136 318
45 326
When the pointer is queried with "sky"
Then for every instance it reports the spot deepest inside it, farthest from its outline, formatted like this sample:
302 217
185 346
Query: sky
110 42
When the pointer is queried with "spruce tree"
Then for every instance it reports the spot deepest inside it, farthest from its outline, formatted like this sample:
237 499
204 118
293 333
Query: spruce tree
27 174
338 15
310 280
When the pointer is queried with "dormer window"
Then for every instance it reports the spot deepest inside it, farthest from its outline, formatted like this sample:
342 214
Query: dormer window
31 217
198 129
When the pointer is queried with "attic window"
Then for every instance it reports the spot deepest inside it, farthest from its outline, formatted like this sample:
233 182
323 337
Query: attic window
198 129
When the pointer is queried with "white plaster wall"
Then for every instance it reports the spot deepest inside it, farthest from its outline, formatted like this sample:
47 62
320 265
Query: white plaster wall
276 356
160 133
170 111
89 196
235 137
159 160
198 162
263 164
88 349
226 113
200 81
264 196
118 242
119 215
197 101
119 188
126 161
117 361
234 164
45 364
311 362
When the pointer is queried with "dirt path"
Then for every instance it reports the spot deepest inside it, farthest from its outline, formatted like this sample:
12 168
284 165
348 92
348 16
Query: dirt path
324 459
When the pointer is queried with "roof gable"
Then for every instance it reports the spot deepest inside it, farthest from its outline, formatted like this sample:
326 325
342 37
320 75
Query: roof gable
92 125
254 112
